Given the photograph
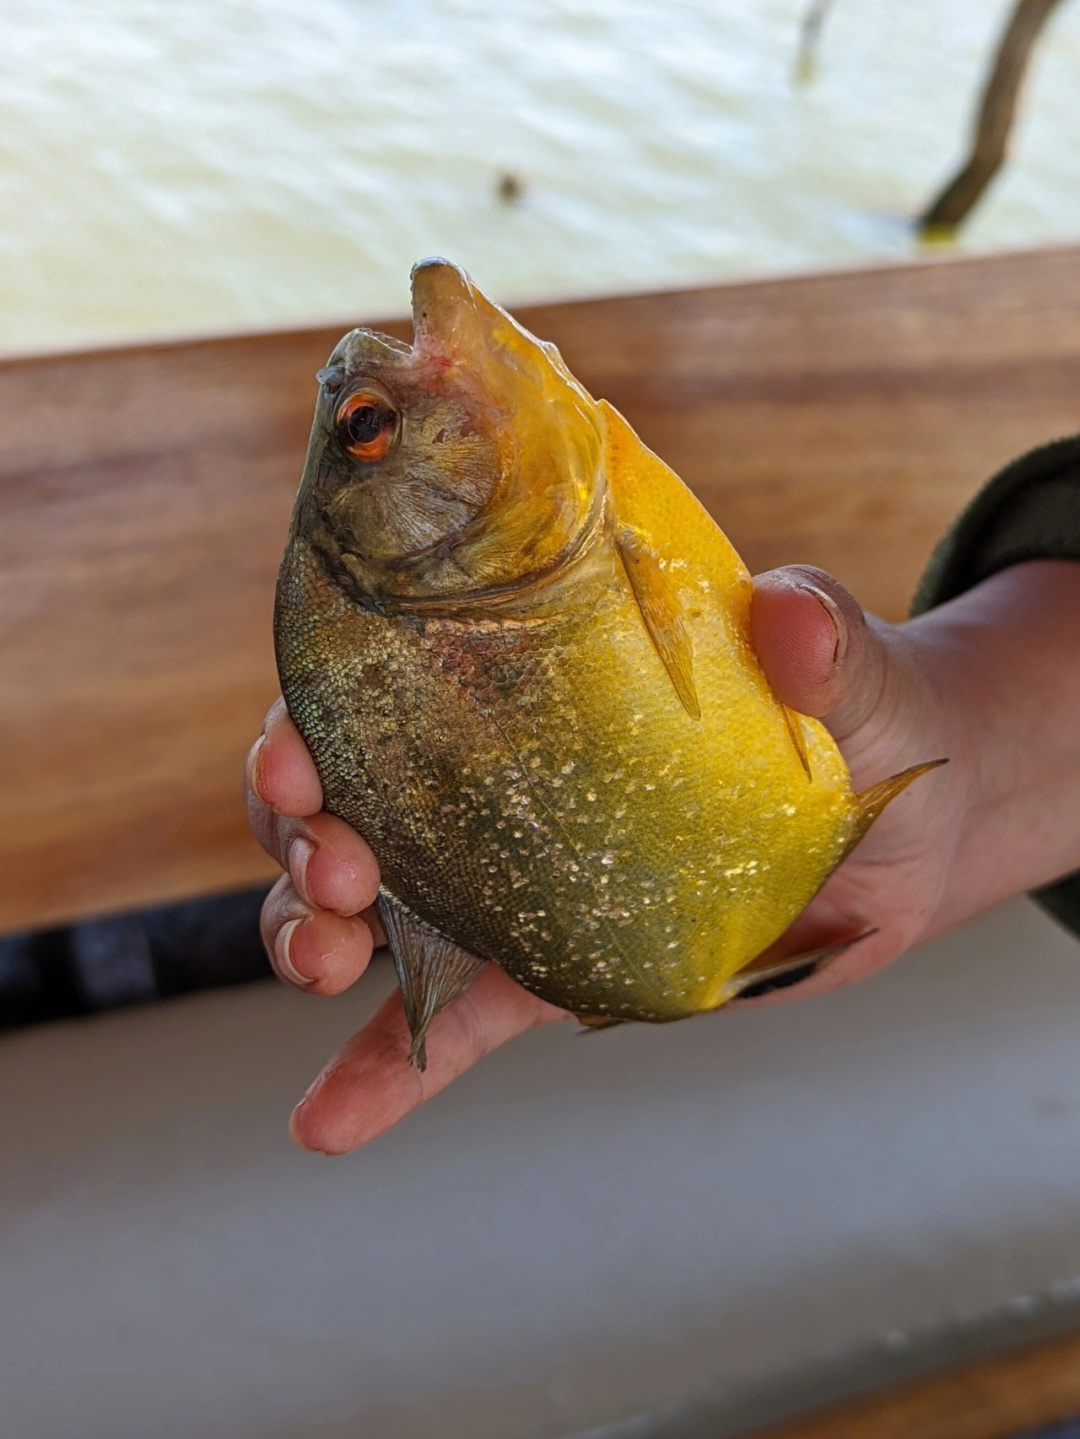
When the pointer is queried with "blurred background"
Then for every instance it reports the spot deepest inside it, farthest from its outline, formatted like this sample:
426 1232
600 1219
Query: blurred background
687 1230
197 168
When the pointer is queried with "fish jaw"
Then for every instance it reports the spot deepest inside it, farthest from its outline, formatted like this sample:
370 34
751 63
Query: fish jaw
494 477
547 425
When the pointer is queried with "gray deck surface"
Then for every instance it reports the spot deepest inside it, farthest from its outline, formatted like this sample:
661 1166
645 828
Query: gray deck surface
586 1228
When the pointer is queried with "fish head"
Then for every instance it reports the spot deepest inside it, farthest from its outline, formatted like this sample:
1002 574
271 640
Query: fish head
466 463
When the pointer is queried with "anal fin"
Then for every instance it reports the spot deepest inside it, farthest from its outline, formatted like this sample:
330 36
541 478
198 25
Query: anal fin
431 969
759 978
660 613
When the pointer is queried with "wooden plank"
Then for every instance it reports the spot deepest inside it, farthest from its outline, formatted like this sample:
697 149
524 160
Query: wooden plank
840 420
994 1399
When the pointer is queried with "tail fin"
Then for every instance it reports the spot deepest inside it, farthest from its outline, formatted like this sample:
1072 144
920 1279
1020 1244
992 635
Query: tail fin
872 801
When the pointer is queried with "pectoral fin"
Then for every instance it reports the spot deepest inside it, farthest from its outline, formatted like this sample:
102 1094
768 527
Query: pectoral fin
794 729
431 970
660 614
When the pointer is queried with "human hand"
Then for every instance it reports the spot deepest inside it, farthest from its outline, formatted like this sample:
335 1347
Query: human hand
879 693
990 682
892 695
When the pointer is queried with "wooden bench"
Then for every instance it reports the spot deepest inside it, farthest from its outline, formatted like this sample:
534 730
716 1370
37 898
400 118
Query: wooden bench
840 420
1003 1397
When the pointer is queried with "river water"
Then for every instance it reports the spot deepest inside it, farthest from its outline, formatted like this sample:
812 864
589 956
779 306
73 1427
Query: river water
179 167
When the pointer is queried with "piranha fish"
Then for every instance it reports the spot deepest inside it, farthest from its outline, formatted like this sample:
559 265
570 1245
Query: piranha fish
518 650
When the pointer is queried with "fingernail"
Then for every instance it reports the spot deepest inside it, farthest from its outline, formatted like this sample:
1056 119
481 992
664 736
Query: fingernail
829 605
299 857
310 1142
254 755
282 953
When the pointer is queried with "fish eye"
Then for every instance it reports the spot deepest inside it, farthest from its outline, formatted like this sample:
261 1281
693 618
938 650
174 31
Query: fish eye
366 423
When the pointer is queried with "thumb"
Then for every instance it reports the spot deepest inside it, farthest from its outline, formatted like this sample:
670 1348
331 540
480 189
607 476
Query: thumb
818 650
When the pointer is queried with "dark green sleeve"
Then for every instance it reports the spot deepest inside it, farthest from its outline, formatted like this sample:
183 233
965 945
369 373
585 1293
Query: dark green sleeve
1030 511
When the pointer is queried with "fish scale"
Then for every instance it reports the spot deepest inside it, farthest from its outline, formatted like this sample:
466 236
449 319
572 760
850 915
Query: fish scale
519 651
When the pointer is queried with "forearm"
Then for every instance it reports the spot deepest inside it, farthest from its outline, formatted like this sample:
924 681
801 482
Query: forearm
1005 659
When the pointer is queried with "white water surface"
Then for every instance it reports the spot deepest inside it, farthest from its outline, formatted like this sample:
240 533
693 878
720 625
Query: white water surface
203 166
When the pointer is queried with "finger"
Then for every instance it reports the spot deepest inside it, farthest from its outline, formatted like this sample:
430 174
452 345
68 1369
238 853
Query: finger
313 949
280 771
372 1084
330 865
818 650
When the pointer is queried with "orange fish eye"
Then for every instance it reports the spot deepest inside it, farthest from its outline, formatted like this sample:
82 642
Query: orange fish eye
367 425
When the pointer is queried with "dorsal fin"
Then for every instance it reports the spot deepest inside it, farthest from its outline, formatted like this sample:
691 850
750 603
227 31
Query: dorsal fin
870 802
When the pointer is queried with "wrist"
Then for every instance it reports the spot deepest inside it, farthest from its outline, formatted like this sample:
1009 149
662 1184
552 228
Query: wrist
1002 660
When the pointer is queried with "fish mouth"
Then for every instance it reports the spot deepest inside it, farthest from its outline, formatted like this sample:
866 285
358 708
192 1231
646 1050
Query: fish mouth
439 290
